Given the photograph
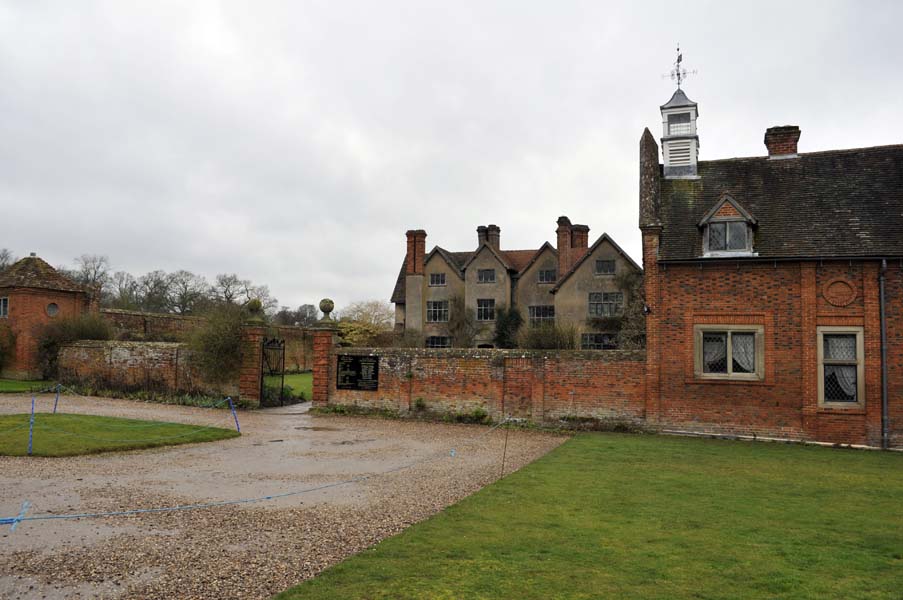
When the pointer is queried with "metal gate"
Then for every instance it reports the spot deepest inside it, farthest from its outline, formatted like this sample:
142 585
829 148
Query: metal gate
272 376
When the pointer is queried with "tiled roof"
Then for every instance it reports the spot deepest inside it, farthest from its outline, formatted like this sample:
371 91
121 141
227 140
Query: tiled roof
839 203
587 252
32 272
516 260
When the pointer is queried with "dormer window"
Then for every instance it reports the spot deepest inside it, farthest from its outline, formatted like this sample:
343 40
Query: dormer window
727 229
728 236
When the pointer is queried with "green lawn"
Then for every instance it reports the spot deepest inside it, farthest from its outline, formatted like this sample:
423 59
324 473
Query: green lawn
23 387
637 516
68 435
301 383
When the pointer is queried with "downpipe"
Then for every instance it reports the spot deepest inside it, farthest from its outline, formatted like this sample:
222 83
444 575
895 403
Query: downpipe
885 417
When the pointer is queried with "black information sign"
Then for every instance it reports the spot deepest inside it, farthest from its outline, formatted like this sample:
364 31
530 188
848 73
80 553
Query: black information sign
357 372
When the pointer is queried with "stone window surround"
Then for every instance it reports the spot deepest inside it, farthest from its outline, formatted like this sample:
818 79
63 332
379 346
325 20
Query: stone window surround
860 366
747 250
540 314
758 330
545 277
437 279
437 311
605 299
585 344
608 261
4 307
438 341
486 276
486 312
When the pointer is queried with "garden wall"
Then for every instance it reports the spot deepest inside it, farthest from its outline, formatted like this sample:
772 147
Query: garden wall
150 326
150 366
541 386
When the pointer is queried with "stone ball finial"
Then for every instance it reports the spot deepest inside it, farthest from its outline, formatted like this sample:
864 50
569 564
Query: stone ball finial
326 307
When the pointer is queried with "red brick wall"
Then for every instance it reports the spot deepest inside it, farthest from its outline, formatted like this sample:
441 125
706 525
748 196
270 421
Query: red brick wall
607 385
790 299
157 366
152 326
894 317
27 313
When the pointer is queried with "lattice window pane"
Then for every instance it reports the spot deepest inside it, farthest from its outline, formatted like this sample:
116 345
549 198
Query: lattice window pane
840 347
714 352
840 383
743 352
736 236
717 236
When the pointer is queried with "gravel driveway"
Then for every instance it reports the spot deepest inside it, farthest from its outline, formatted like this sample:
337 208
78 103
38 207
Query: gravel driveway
243 551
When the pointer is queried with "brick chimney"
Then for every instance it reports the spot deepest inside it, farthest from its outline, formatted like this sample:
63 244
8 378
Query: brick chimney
579 239
781 141
565 235
481 235
494 236
413 261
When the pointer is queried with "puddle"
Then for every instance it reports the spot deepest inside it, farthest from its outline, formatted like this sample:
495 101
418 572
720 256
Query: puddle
305 428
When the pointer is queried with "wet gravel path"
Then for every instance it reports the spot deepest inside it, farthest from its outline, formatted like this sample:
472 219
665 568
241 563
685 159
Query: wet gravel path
244 551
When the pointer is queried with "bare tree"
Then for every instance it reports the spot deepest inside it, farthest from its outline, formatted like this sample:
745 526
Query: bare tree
187 291
154 291
123 292
378 313
92 270
305 315
6 258
228 288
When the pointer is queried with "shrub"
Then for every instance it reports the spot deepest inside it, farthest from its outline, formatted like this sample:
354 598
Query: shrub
7 345
419 405
216 345
359 333
462 323
477 416
51 336
549 337
507 323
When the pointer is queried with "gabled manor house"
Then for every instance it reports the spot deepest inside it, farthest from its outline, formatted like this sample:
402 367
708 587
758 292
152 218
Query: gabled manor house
570 283
773 290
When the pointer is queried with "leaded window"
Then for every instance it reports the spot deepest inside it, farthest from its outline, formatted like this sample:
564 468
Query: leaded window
486 309
541 315
840 366
4 308
679 124
599 341
437 279
547 276
438 341
436 311
606 304
729 351
605 267
728 236
486 276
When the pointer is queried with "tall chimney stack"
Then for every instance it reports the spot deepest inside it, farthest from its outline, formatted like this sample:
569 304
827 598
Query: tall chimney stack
416 250
493 236
565 251
481 235
782 141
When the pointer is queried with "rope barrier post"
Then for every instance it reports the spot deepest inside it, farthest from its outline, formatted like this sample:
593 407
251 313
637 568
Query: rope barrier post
57 399
505 451
234 416
31 427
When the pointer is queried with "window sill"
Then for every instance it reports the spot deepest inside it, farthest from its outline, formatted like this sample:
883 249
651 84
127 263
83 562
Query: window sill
729 254
695 379
855 409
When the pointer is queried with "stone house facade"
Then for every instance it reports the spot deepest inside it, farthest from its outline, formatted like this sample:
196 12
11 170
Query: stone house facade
774 288
566 284
32 294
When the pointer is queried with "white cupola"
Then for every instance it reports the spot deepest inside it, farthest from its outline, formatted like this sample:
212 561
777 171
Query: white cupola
680 144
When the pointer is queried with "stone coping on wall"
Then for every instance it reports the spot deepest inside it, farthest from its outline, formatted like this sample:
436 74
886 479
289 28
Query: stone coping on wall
121 344
139 313
490 353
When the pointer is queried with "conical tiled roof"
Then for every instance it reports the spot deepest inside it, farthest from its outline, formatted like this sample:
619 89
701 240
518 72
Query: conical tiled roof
678 100
32 272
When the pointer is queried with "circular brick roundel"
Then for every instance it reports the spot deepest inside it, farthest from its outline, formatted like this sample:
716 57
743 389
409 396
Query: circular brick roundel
839 292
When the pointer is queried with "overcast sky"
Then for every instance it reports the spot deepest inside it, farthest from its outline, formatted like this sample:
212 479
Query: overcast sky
293 143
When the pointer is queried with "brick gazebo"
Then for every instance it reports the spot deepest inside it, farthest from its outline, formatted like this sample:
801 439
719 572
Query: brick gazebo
32 293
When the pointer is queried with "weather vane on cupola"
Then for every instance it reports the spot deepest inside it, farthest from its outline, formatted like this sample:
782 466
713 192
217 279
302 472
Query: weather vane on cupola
679 73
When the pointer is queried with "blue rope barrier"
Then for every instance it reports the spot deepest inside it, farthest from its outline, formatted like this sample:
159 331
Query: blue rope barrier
234 416
31 427
181 507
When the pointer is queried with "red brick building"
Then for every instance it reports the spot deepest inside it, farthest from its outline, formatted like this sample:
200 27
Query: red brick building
774 287
32 293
